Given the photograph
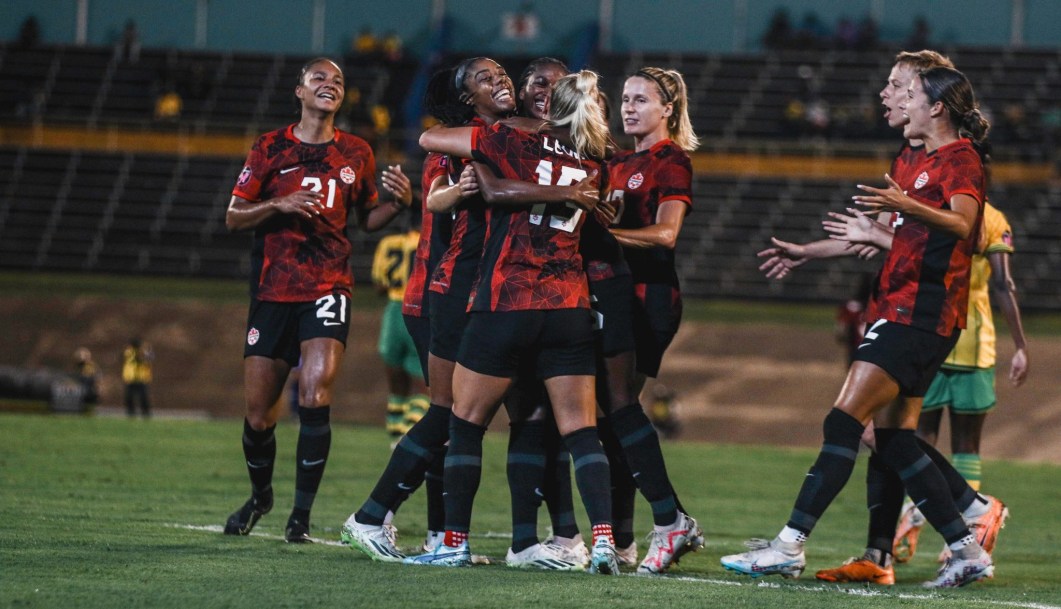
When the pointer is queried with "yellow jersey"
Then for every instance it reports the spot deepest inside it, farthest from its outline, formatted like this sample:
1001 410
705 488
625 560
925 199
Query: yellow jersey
136 365
976 345
393 261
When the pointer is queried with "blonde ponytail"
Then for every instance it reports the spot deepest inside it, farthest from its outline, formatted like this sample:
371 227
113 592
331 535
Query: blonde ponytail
672 90
574 104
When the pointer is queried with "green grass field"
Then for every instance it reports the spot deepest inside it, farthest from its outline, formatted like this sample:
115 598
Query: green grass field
102 512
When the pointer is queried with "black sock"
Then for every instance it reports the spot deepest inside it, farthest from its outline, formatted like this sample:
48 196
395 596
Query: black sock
259 448
884 498
314 442
960 491
925 484
591 474
557 490
526 472
423 443
640 444
464 468
830 472
623 489
436 505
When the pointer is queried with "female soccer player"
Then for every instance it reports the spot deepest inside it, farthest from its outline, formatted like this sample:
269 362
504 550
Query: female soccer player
651 187
531 302
919 302
298 187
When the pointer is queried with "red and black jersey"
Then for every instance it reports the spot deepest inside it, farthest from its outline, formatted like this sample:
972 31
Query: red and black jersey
925 279
906 161
458 269
435 232
602 256
531 259
295 259
639 182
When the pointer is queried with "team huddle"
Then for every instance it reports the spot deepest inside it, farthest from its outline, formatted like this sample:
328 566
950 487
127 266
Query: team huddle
544 280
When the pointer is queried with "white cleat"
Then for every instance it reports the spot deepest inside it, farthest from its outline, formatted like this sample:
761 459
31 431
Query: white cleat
542 556
767 558
627 555
571 549
377 541
667 547
603 559
957 572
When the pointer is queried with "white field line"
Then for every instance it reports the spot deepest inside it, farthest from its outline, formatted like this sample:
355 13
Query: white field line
964 601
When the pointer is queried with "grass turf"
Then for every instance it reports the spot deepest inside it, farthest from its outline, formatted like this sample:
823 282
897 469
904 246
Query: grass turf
102 512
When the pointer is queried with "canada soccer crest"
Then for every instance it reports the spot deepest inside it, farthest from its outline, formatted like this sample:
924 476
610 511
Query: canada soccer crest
635 181
347 175
921 180
252 336
244 176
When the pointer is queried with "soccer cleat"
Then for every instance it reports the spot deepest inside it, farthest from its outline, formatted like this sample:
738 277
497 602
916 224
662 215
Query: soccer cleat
957 572
767 558
571 549
987 526
297 531
907 533
666 547
432 539
603 559
627 555
243 520
859 570
443 556
377 541
542 556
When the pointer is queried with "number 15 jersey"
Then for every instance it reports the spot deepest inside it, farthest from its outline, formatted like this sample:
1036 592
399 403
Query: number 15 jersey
295 259
531 258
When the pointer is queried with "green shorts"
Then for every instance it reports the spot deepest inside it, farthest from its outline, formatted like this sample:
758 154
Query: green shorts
395 345
963 391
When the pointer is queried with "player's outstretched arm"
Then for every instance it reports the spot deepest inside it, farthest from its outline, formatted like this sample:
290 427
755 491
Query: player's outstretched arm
857 228
784 257
959 220
1004 289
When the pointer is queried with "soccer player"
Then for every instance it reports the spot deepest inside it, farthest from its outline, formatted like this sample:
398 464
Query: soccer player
406 399
531 300
296 191
651 187
919 303
884 489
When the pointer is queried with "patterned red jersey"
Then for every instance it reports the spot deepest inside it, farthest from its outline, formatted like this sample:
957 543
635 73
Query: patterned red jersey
909 158
458 269
435 232
531 259
602 255
639 182
295 259
925 279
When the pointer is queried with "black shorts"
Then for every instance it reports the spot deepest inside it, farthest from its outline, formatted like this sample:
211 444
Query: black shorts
612 301
556 342
909 355
657 313
276 329
449 316
420 330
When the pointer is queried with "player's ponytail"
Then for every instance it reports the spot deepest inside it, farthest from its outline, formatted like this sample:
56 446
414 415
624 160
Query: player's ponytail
441 100
574 104
672 90
951 88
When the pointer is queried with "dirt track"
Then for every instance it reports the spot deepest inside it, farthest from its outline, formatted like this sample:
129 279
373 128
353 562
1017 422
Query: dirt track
736 383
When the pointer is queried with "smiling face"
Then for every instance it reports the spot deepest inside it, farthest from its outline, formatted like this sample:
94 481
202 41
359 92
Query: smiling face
643 110
536 93
894 92
489 90
321 88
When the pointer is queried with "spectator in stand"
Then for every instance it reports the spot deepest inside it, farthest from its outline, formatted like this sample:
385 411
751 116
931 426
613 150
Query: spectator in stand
168 106
919 36
29 33
128 47
779 34
365 43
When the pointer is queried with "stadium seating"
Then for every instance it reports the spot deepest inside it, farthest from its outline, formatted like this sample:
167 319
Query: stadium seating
126 212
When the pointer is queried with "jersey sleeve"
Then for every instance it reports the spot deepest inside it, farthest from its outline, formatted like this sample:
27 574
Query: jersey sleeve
965 176
675 179
249 183
998 235
367 196
435 165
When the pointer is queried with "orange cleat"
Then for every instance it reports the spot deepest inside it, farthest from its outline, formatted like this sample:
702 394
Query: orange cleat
907 533
985 527
859 570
